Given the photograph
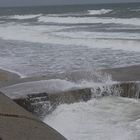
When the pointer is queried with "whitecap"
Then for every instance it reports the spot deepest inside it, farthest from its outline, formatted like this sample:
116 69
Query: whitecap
99 12
23 17
89 20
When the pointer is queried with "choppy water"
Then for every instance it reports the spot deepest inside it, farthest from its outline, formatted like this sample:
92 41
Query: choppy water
69 38
64 39
110 118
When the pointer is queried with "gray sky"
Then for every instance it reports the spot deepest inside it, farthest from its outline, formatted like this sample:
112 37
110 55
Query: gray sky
56 2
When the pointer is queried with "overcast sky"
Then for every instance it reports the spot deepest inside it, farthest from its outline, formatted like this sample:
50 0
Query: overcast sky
56 2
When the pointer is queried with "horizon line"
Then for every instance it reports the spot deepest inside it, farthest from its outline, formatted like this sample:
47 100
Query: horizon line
107 3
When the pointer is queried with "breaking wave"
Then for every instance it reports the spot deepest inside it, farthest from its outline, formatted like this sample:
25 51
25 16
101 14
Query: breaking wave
99 12
99 35
22 17
89 20
108 118
41 34
100 81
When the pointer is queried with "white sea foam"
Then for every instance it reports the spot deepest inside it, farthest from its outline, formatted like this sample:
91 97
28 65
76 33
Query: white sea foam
99 12
109 118
53 35
135 10
99 35
22 17
49 86
89 20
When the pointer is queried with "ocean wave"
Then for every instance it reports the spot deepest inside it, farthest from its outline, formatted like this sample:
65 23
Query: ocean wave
89 20
135 10
99 12
22 17
99 35
109 118
52 86
52 35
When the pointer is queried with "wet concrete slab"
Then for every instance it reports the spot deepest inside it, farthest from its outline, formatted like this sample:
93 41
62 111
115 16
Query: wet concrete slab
18 124
131 73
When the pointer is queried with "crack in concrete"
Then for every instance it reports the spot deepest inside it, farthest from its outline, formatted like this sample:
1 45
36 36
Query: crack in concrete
18 116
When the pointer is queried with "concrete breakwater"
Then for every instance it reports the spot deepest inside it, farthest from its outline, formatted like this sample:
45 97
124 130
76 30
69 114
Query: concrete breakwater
18 124
41 104
32 93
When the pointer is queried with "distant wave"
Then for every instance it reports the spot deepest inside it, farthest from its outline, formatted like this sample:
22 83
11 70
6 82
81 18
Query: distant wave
22 17
99 12
135 10
89 20
49 34
99 35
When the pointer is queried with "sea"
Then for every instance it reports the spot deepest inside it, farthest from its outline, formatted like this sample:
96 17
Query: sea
52 40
